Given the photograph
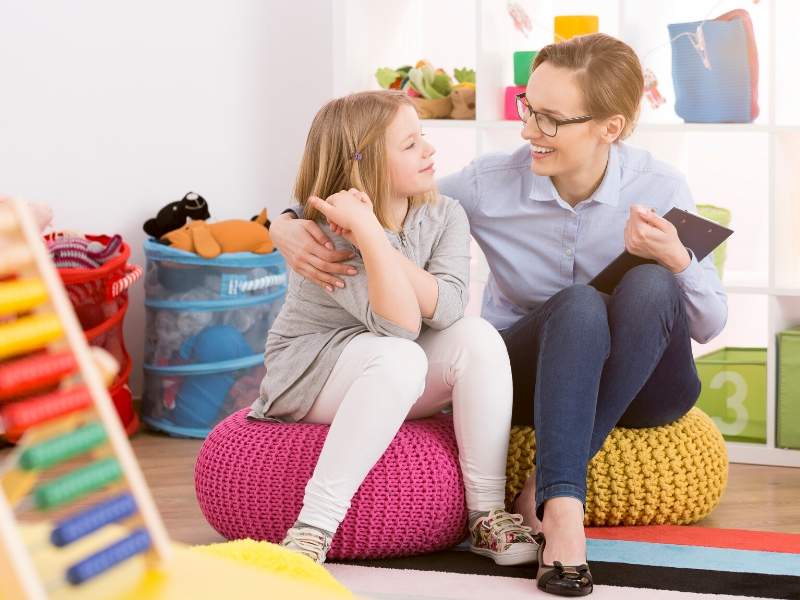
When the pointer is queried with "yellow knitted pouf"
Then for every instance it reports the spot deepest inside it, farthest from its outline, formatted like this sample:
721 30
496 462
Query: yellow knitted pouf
672 474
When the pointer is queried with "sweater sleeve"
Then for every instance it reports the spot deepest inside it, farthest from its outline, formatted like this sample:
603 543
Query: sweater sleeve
449 264
354 297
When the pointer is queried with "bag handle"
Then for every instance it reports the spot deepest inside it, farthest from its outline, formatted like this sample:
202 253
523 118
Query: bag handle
233 285
116 286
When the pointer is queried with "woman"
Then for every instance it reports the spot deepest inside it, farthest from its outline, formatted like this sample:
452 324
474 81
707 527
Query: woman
549 217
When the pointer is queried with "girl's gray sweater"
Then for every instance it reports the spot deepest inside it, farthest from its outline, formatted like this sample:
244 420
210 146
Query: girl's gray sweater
314 325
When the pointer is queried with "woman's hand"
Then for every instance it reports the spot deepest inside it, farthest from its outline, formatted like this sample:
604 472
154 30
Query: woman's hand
652 237
309 252
349 213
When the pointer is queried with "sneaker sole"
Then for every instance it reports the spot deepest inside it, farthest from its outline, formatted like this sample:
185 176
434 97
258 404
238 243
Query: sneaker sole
509 558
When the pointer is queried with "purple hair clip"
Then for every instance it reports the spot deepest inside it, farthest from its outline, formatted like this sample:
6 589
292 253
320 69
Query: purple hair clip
358 156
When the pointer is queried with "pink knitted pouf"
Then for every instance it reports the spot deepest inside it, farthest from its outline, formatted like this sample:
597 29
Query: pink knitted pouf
250 477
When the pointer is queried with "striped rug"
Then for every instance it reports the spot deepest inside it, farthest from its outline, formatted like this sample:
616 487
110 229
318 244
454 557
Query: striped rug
666 561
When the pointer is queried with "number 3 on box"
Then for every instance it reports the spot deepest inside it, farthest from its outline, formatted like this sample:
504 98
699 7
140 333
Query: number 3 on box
734 402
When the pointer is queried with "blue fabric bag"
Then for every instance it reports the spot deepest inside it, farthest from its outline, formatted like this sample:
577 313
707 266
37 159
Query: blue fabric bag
727 92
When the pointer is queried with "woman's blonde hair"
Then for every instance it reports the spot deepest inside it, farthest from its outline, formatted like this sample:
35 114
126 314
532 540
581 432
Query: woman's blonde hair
608 72
346 148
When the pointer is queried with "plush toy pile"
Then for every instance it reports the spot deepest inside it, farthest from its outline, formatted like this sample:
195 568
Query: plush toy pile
183 225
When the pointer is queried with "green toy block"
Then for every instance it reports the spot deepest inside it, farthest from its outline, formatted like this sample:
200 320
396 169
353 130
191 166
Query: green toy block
734 392
522 66
723 217
788 413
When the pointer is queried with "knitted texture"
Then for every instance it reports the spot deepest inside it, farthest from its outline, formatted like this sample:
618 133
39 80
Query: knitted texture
672 474
250 477
78 252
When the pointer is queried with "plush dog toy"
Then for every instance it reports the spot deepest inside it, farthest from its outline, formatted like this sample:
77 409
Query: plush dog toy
174 215
209 240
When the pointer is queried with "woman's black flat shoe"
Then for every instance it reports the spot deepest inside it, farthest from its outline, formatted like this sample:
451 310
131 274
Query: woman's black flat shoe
562 580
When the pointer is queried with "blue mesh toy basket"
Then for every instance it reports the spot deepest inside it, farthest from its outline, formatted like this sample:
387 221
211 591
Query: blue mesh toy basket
207 322
725 88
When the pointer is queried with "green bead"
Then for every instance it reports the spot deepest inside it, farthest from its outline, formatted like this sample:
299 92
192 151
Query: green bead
63 447
77 484
522 66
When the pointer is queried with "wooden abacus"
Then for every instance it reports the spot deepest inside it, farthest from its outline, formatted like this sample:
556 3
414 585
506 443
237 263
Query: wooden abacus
53 396
72 448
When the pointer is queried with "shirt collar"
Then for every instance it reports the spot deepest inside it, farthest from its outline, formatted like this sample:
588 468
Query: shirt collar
543 190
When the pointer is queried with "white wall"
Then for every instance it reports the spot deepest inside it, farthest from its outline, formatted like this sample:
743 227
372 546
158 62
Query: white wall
109 109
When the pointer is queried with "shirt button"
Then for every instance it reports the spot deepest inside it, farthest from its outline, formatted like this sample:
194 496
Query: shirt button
569 252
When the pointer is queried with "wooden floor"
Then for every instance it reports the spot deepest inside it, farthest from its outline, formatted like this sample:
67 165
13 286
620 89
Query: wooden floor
759 498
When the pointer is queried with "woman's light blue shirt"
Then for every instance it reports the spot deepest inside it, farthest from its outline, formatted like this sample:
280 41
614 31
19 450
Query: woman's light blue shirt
536 244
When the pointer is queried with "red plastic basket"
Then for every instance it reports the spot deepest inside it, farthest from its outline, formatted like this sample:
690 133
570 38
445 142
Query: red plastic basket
92 291
100 299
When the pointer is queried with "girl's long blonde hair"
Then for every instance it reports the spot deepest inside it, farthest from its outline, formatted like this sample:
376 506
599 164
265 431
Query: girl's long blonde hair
346 148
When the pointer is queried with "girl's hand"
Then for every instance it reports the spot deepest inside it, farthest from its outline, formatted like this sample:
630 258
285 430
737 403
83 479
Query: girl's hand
350 211
652 237
345 233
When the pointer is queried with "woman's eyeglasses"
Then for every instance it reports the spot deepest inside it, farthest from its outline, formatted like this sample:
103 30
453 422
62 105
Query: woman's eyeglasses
547 125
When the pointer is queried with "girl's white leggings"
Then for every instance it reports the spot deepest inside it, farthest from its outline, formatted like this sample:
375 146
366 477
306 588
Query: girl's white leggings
379 382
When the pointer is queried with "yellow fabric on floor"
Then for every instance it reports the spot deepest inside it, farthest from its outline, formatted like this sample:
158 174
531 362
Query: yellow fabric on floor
673 474
276 559
227 571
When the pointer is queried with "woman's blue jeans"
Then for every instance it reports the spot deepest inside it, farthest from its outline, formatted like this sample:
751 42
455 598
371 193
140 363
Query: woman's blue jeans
584 362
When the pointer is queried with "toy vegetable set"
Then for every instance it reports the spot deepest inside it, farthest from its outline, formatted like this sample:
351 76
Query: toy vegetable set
435 93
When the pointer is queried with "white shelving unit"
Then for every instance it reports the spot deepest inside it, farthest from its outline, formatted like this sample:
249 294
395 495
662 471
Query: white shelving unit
751 169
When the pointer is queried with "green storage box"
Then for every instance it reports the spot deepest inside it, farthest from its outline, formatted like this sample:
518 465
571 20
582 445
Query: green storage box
788 414
723 217
734 392
522 66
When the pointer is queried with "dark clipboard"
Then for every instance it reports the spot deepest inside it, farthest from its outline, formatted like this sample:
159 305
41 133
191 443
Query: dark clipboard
698 234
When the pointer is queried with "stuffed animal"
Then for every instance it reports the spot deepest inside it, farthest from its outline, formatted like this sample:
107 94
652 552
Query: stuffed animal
172 328
174 215
76 252
209 240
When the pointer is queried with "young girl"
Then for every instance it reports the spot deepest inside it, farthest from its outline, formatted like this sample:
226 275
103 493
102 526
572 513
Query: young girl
392 344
